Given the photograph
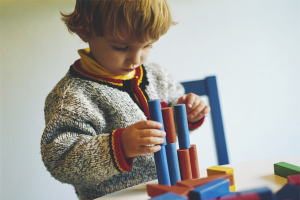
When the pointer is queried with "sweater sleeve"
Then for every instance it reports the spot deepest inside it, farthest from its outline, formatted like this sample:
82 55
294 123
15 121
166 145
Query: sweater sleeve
73 153
76 146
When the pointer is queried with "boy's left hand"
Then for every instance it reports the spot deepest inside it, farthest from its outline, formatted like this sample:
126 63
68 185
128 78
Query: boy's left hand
195 107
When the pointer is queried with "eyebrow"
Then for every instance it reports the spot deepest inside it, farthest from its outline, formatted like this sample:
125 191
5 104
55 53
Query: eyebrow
114 41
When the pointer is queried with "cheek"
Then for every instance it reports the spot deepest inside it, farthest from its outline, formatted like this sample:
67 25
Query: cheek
145 55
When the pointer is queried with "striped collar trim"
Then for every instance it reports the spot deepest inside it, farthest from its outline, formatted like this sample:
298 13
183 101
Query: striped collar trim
118 82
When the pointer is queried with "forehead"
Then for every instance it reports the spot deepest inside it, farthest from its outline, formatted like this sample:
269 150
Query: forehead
125 36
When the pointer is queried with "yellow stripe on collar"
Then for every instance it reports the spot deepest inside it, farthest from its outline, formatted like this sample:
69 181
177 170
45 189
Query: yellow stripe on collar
92 66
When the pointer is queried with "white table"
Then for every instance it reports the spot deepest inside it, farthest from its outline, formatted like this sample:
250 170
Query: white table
248 175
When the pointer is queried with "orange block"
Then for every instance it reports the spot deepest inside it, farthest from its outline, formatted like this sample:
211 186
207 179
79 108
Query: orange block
200 181
184 164
154 190
194 161
169 124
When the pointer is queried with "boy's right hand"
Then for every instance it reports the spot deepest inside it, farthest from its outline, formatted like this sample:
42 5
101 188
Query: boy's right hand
137 138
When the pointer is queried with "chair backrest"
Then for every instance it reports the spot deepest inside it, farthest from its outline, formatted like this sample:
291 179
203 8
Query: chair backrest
208 87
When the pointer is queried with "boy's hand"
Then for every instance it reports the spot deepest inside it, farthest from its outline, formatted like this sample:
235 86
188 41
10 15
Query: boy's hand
135 138
195 107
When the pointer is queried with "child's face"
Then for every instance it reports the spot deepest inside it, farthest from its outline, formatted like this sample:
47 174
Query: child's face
118 56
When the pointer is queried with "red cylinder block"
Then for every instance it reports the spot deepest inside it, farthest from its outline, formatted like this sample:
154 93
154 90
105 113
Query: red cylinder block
194 161
184 164
169 124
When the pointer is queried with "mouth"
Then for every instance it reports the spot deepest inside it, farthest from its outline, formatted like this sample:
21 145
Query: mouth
128 70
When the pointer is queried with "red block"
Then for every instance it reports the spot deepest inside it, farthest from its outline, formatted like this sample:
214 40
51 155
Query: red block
249 196
233 197
194 161
169 124
198 182
184 164
154 190
294 179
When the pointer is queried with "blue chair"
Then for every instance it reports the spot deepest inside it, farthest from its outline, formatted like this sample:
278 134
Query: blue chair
208 87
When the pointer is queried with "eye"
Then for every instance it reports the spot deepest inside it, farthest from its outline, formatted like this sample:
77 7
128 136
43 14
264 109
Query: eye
120 49
148 46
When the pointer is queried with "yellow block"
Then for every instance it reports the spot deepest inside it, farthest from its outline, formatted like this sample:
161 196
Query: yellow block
221 170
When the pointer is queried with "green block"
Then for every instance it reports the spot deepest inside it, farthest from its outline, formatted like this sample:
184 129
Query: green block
285 169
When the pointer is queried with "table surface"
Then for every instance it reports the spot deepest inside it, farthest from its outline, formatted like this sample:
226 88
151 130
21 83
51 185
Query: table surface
248 175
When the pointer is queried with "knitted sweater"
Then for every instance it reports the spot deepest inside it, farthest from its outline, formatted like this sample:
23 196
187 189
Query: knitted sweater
85 116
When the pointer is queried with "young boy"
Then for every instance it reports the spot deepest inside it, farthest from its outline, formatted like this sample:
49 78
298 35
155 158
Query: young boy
98 136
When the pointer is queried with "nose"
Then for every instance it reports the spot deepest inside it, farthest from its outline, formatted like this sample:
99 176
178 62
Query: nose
134 58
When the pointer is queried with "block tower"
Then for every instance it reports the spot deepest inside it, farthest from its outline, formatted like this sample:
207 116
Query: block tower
173 165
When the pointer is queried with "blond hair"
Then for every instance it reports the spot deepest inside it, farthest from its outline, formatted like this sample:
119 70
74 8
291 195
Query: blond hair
145 19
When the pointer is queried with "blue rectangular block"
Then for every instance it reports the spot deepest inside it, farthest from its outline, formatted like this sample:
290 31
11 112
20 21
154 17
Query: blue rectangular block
156 114
161 165
289 191
173 163
169 196
182 126
265 193
210 190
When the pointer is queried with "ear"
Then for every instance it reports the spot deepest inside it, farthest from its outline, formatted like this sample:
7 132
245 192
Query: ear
84 38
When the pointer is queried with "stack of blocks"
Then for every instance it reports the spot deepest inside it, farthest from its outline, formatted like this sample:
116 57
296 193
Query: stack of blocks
178 172
173 165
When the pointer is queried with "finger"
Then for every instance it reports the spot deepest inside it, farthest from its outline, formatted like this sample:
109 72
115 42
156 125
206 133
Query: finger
149 149
196 103
196 118
190 98
181 100
152 133
198 109
151 140
148 124
205 110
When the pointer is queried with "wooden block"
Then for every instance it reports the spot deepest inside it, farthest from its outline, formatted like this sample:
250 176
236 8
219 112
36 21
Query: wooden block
173 163
156 114
168 118
197 182
232 188
162 169
230 197
249 196
168 196
218 170
288 192
194 161
264 193
213 189
238 196
214 170
284 169
154 190
182 126
294 179
184 164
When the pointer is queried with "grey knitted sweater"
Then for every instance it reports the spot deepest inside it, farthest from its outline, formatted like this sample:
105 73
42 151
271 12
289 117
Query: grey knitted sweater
85 116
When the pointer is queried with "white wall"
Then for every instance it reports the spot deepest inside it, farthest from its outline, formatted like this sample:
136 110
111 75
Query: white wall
252 46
